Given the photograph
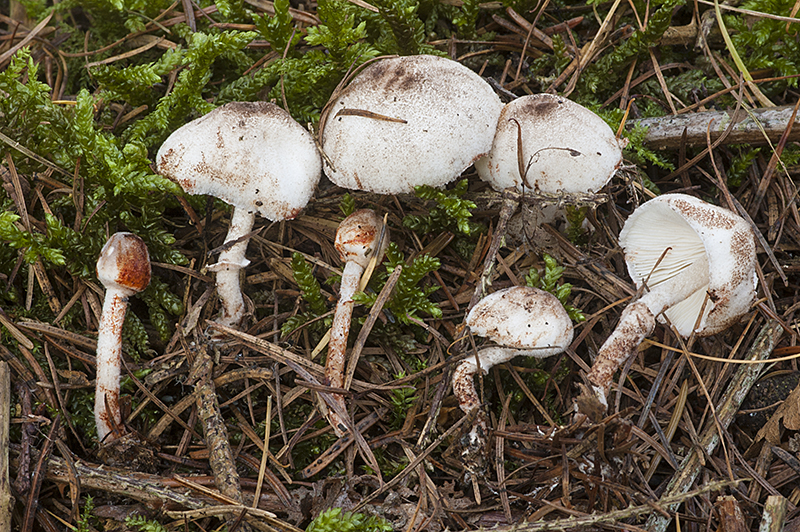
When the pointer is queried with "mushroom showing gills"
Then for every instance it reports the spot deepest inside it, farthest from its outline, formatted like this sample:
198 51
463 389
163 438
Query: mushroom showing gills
521 320
696 262
254 156
358 239
124 270
408 121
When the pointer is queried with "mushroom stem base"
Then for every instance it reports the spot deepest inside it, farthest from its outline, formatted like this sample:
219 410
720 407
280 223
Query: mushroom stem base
109 350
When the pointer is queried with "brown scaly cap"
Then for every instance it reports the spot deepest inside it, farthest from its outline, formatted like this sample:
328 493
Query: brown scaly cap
408 121
358 236
124 263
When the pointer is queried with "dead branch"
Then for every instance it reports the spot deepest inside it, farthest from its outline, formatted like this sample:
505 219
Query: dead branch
666 132
6 499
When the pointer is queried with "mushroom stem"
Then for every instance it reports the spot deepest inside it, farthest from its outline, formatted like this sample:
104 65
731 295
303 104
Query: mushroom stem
124 270
638 321
230 262
334 365
108 417
506 212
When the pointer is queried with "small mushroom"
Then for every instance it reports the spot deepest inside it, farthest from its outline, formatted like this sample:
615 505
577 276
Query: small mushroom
564 147
408 121
124 270
521 320
360 237
254 156
696 264
546 144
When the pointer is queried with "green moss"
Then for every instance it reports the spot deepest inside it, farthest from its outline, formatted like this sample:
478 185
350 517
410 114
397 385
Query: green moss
337 520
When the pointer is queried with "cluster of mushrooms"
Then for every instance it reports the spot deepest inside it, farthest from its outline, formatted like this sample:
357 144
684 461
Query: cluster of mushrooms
422 120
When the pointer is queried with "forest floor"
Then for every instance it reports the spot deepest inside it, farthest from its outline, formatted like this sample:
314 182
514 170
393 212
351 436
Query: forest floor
701 434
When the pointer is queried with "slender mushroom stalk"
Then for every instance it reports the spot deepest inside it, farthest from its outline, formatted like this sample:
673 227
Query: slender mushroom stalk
696 263
253 156
358 239
523 321
545 144
124 270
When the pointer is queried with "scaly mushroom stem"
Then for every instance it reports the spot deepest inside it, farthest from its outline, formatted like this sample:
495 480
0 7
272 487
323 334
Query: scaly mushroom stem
230 262
638 321
334 365
109 351
360 237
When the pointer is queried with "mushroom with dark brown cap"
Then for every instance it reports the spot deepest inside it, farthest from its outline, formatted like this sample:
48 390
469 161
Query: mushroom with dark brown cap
254 156
408 121
696 264
360 237
521 321
123 268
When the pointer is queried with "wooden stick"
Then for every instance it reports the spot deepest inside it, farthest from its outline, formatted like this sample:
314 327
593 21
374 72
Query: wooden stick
665 132
6 499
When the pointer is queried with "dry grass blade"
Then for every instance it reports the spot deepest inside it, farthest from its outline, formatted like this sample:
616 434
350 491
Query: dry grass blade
5 56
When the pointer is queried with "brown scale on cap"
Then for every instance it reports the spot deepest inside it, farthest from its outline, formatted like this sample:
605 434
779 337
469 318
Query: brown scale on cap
125 262
355 239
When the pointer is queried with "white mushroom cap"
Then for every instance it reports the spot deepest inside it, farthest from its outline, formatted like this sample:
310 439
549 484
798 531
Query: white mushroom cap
252 155
432 119
692 227
124 264
524 318
358 237
571 149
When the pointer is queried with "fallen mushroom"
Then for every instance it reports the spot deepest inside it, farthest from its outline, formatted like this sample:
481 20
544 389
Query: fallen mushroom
696 264
546 144
360 237
522 321
124 270
254 156
408 121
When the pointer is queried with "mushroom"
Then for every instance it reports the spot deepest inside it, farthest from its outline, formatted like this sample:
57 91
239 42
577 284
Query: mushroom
521 320
696 264
254 156
546 144
360 237
559 145
408 121
124 270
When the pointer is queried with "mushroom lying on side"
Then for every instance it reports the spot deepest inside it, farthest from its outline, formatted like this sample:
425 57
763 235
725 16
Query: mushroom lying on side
360 237
124 270
690 257
521 320
408 121
254 156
